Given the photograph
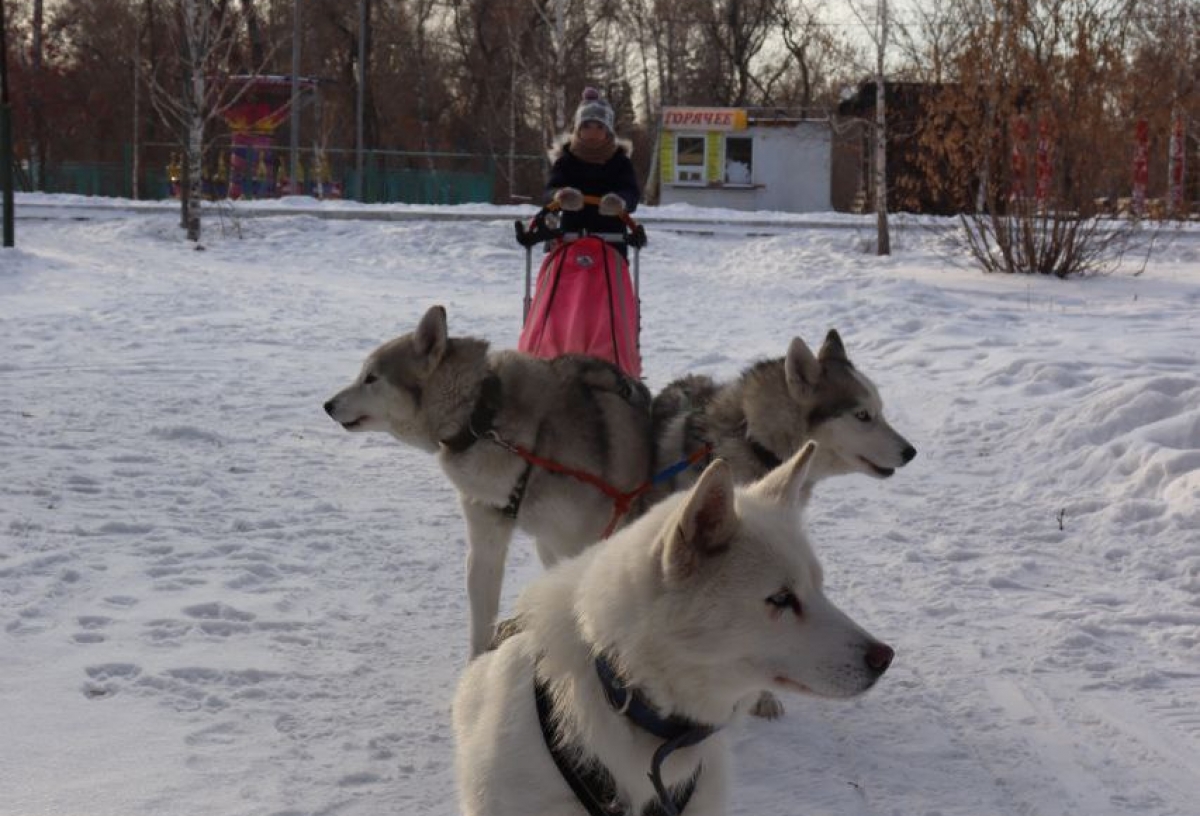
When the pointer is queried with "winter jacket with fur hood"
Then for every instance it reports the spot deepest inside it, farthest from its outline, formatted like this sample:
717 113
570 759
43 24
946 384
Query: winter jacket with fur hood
614 176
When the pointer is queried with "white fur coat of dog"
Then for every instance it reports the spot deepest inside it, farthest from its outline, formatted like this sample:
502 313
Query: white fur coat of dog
711 597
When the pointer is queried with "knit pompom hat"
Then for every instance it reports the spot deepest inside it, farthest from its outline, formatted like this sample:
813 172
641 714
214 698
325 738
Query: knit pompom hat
593 108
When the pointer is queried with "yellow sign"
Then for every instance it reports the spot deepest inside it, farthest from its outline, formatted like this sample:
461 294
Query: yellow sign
666 157
712 157
707 119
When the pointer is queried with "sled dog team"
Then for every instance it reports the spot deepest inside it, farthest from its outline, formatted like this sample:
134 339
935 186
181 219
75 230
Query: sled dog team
608 690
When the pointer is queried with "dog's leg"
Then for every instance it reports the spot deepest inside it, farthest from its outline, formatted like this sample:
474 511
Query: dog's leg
489 532
767 706
549 552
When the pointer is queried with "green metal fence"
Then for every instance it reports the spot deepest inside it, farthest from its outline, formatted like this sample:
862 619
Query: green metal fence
388 176
391 176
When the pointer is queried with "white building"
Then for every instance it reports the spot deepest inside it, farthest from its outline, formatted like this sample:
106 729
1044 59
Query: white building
745 160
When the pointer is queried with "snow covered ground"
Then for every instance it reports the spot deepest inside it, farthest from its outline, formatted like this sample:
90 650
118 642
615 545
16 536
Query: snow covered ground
215 601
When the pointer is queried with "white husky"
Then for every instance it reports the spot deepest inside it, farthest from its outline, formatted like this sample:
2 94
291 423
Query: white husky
649 642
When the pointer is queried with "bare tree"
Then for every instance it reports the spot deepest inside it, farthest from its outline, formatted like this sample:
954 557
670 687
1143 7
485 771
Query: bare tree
737 30
1163 87
818 53
193 95
931 37
878 30
38 129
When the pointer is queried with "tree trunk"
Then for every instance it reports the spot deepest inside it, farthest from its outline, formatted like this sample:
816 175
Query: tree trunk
258 49
37 145
423 80
136 171
195 31
883 239
195 158
560 56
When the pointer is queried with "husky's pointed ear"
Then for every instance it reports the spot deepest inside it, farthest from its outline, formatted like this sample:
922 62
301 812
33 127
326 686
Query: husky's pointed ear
785 484
801 368
832 348
704 526
430 337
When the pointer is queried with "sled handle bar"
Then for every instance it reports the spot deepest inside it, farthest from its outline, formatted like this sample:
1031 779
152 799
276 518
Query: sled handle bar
636 233
630 224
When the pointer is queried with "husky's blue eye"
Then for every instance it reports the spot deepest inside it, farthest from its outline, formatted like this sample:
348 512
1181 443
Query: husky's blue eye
862 416
370 378
785 599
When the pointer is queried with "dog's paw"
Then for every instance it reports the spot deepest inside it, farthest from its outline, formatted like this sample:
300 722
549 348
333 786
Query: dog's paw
767 707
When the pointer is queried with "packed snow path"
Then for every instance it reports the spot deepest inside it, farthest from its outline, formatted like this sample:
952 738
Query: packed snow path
214 600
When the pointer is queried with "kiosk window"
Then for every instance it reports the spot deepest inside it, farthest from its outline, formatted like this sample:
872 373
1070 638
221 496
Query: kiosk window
689 159
739 160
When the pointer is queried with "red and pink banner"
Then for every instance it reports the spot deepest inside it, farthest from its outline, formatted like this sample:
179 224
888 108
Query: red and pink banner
1045 163
1020 141
1141 167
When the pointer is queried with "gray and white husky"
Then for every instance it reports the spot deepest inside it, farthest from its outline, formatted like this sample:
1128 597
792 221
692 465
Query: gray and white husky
473 408
763 417
655 636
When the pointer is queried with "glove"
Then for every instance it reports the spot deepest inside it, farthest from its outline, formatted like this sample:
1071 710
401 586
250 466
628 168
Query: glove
569 199
612 204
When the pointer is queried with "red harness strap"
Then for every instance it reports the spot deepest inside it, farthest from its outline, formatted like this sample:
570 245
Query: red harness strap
622 501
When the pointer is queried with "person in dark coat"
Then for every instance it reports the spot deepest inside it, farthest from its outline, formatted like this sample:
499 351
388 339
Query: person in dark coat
592 161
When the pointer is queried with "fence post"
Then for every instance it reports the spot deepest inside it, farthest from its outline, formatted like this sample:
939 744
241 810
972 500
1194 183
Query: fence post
126 170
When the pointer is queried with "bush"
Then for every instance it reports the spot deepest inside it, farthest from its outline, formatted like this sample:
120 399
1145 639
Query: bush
1025 240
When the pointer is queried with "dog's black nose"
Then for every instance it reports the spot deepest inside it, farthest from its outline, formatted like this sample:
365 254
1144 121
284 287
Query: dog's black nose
908 454
879 657
329 407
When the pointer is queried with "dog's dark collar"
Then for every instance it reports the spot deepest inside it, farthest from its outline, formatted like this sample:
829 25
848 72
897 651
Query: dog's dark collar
591 782
676 732
634 705
765 456
482 419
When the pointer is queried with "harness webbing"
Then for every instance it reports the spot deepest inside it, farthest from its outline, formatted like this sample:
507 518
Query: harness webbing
765 456
483 415
622 500
593 785
596 797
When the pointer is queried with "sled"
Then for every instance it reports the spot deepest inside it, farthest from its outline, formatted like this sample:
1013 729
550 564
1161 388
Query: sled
583 301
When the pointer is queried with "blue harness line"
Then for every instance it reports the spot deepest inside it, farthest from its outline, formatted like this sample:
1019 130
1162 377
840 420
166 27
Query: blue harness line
671 471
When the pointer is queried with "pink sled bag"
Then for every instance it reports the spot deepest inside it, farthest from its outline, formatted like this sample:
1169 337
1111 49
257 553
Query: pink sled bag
584 303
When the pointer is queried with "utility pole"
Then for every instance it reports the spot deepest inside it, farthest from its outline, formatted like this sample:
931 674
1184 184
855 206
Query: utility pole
294 145
6 145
